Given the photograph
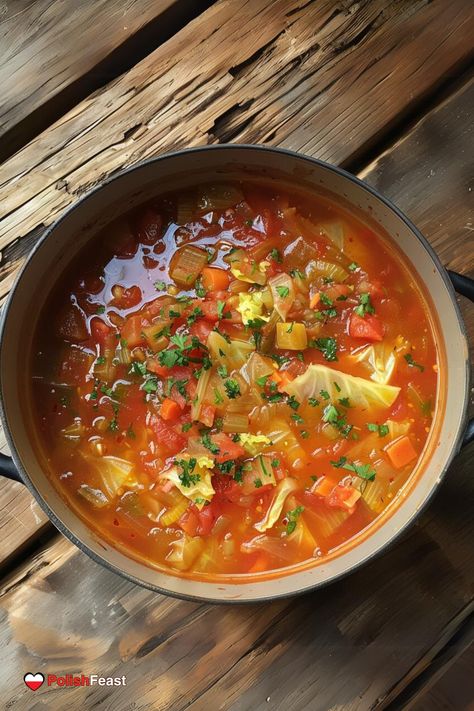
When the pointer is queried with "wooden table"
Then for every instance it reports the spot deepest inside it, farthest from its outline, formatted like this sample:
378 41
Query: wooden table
382 87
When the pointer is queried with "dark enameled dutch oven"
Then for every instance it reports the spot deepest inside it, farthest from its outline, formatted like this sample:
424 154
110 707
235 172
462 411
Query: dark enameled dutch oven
83 220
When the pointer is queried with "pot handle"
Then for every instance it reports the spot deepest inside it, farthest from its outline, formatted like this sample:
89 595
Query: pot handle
8 469
465 286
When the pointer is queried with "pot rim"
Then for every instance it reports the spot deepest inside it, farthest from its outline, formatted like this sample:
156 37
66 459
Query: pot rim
457 440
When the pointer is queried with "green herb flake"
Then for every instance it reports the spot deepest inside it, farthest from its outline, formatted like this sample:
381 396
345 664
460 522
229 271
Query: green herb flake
232 388
413 364
327 346
292 519
353 266
275 255
100 309
362 470
283 291
186 427
159 285
313 402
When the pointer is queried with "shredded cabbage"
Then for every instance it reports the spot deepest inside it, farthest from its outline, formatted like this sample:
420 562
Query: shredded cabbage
283 293
379 358
199 491
284 488
361 392
232 354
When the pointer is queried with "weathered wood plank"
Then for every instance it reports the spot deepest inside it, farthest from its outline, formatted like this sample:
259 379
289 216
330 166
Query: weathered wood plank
319 77
50 44
343 647
453 691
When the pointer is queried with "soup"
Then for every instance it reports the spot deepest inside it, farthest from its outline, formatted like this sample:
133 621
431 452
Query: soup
234 379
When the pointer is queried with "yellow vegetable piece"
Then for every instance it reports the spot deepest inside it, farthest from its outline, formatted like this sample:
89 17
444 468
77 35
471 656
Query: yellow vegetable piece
251 306
254 444
291 336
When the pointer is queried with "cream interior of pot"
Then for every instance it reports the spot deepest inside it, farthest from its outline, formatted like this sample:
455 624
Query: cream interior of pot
180 170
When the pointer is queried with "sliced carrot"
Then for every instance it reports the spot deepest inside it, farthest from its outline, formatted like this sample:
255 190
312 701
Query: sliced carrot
315 299
170 410
214 279
401 452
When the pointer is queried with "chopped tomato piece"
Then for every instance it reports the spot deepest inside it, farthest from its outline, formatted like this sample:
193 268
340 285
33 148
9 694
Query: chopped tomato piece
207 518
102 333
209 310
72 326
167 436
189 521
201 329
126 297
370 328
207 415
228 449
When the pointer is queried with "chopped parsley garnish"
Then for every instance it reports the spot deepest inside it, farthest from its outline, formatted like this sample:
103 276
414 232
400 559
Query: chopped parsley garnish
327 313
232 388
187 466
174 314
353 266
257 483
297 418
261 382
275 463
304 434
293 402
186 427
381 429
220 309
344 401
222 370
337 387
255 323
313 402
292 518
100 360
150 385
200 290
279 359
100 309
194 315
209 444
324 298
290 327
297 273
327 346
160 285
225 467
365 305
413 364
362 470
218 398
275 255
324 394
283 291
130 432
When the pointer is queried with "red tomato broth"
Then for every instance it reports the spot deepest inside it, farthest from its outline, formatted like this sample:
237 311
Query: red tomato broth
87 409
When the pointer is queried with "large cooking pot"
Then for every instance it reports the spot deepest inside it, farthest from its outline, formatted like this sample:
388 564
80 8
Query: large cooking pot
83 220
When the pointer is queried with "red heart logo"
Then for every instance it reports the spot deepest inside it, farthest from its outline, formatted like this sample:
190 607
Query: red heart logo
33 681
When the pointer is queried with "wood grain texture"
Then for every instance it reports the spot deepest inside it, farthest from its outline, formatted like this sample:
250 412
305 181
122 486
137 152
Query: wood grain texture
48 44
352 646
322 77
